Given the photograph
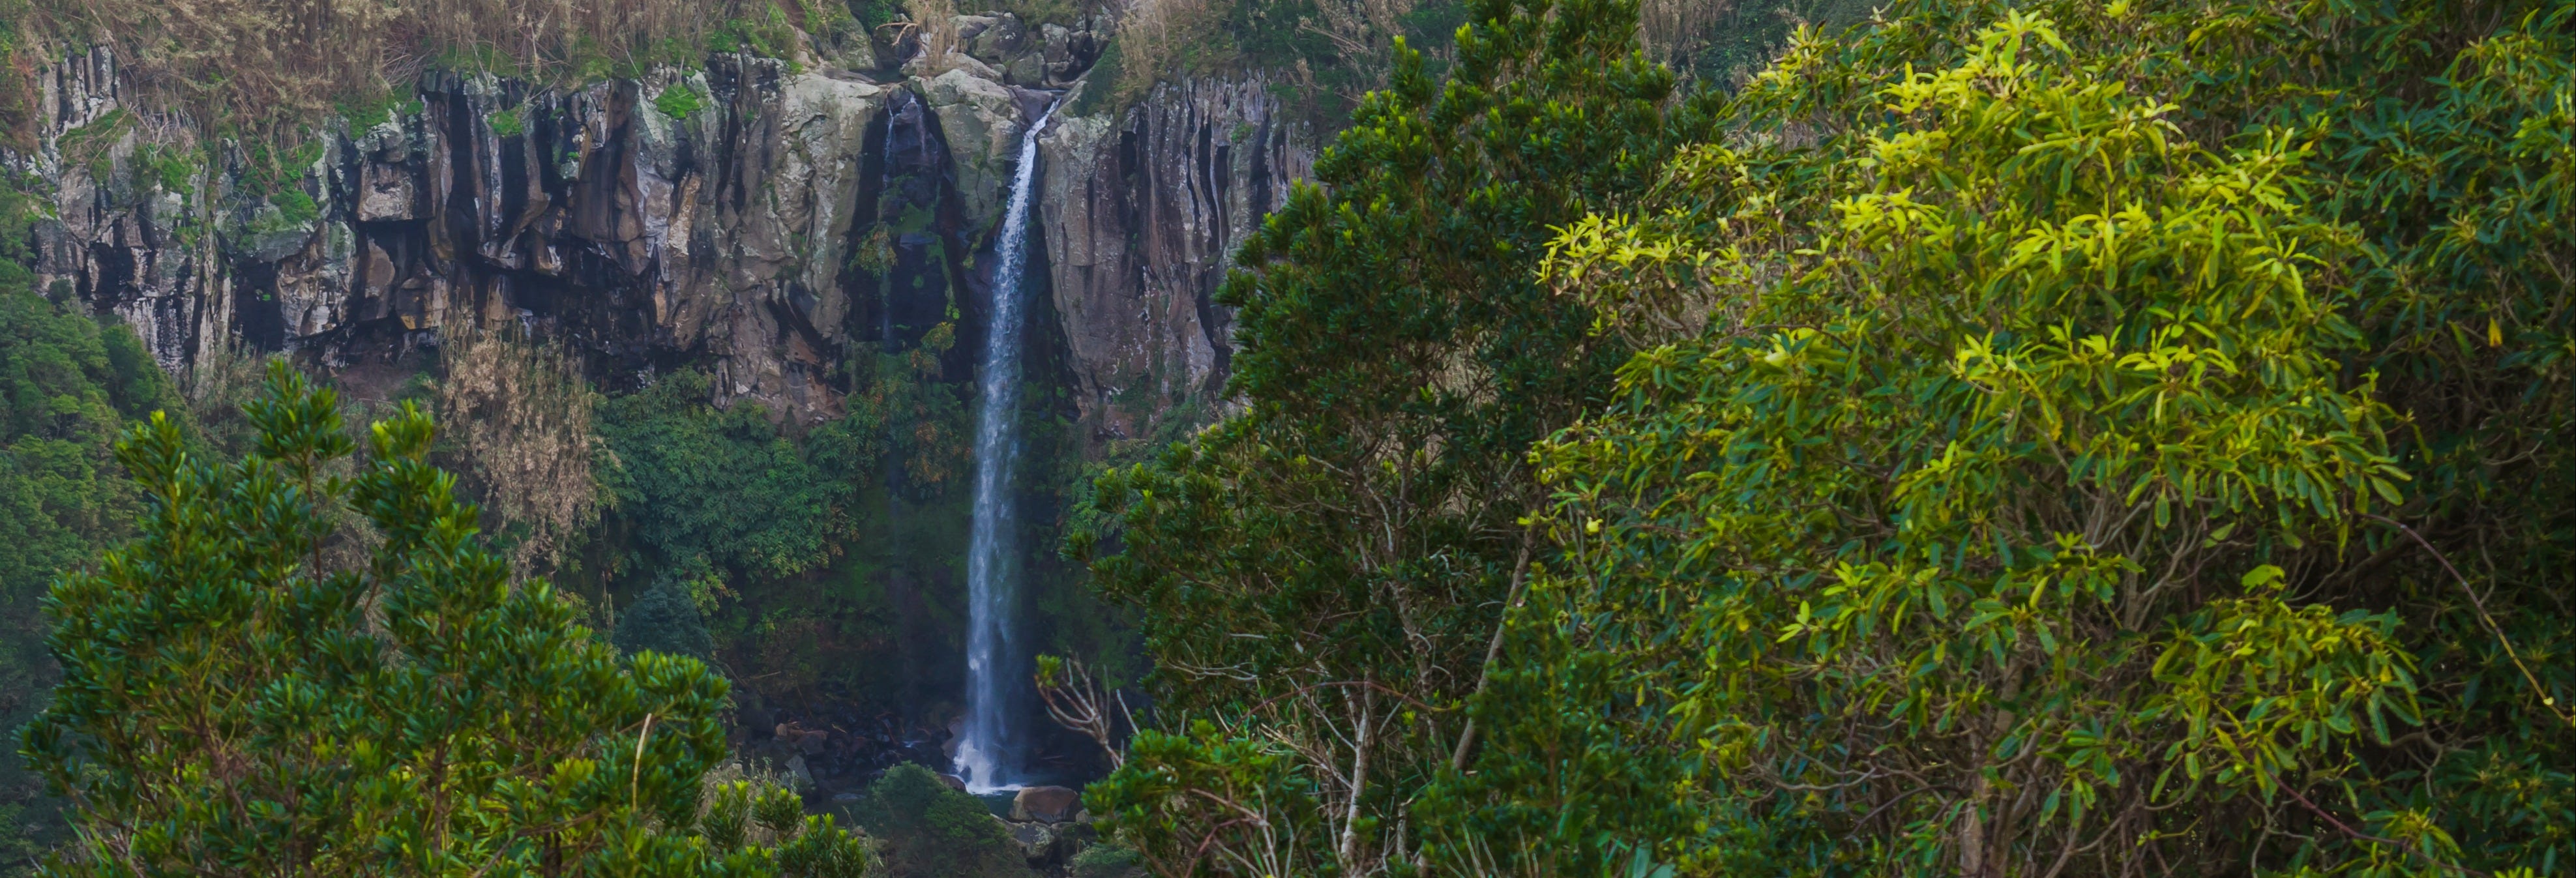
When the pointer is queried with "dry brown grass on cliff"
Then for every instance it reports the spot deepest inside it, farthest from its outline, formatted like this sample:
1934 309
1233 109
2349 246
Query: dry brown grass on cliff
261 64
1673 28
1158 38
937 20
519 416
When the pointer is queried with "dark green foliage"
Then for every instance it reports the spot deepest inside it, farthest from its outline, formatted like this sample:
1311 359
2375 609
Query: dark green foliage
1321 575
872 14
734 539
1107 860
21 98
720 490
846 449
935 831
69 384
663 619
2094 460
235 701
679 100
2062 439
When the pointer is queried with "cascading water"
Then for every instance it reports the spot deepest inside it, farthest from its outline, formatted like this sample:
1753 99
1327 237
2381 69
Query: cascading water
992 560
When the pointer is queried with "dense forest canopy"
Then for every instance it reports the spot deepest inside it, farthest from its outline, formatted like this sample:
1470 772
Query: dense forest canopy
2052 438
258 684
1663 438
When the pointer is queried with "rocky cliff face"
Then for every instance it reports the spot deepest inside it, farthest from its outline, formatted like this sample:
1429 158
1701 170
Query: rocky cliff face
1143 211
595 216
747 217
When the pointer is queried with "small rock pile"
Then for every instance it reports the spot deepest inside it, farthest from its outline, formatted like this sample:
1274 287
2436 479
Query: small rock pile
1050 827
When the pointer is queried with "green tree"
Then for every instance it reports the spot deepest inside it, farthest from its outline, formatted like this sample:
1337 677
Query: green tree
2074 439
69 383
933 830
234 704
721 491
1320 577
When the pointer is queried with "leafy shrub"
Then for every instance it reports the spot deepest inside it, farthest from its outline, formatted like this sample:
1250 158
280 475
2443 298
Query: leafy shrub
1107 859
663 619
2055 438
506 123
679 101
2045 461
934 830
232 701
707 488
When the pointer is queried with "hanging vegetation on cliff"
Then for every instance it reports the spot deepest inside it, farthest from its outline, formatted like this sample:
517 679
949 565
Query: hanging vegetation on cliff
521 416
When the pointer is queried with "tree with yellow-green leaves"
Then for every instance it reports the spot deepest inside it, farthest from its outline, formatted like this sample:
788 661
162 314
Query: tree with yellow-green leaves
237 699
2054 438
2074 439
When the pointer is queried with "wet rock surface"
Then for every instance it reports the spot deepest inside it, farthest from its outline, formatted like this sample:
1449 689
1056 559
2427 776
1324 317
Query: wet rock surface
841 748
592 216
1143 211
748 217
764 222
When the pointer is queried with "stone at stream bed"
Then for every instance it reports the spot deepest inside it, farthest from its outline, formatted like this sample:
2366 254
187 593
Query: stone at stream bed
1046 804
1041 845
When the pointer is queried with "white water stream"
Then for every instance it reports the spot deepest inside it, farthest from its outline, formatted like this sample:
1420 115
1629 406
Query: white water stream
984 758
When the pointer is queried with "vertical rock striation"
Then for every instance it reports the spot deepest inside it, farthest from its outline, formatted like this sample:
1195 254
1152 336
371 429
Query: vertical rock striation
746 217
592 215
1144 209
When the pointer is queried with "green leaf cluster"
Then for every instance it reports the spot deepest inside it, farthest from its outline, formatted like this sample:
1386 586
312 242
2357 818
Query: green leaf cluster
70 383
2048 438
679 100
2035 472
933 830
257 684
709 490
1317 576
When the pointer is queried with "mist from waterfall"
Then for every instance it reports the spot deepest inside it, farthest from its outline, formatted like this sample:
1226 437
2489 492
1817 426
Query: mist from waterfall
984 758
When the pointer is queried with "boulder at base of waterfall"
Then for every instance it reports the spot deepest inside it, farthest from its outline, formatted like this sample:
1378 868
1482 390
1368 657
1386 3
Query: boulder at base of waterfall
1042 847
954 782
1046 804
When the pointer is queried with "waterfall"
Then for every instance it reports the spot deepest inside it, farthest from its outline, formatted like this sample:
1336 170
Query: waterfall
992 560
885 278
